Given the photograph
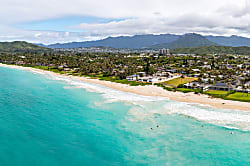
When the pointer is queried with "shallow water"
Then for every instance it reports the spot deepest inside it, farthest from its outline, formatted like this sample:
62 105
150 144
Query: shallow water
47 120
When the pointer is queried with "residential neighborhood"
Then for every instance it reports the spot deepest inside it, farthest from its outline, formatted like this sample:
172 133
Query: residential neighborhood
222 73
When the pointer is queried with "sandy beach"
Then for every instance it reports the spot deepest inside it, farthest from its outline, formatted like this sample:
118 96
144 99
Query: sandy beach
152 90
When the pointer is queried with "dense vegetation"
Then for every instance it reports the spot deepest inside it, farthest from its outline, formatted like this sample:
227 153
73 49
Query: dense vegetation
115 67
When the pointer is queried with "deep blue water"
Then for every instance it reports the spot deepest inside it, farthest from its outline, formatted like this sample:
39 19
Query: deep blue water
44 121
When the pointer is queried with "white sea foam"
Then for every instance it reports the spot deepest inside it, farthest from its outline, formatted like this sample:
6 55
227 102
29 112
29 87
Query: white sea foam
37 72
146 106
111 95
231 127
233 118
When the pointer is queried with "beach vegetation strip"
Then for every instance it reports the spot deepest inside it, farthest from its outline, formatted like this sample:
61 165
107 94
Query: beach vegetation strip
124 81
185 90
216 92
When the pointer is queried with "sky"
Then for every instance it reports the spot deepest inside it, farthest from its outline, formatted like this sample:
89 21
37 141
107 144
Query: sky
60 21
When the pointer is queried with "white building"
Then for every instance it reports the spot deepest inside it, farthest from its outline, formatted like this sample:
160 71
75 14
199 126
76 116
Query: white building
164 51
132 78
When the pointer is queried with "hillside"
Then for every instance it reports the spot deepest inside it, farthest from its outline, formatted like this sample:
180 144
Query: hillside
135 42
234 41
187 40
213 50
20 46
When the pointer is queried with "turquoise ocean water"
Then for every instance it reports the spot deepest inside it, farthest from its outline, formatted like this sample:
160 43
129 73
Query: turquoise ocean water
52 121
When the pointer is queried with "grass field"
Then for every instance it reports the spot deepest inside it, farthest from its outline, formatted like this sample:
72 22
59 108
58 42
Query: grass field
178 81
239 97
216 92
185 90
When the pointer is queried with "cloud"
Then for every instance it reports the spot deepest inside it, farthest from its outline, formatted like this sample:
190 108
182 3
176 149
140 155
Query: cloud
48 37
237 10
224 17
186 23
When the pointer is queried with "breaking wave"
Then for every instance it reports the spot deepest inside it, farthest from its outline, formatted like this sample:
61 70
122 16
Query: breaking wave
145 107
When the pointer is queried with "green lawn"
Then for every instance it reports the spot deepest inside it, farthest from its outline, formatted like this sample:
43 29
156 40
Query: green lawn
178 81
185 90
216 92
239 96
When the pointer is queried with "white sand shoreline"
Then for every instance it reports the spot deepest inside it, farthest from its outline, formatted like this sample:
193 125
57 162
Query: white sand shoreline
155 91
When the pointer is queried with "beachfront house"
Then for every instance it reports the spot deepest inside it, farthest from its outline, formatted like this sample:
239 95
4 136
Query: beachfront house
149 79
143 79
132 77
192 85
153 79
196 85
221 86
161 74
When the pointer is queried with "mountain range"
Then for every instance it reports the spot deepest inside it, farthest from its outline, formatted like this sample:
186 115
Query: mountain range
134 42
187 40
158 41
187 44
